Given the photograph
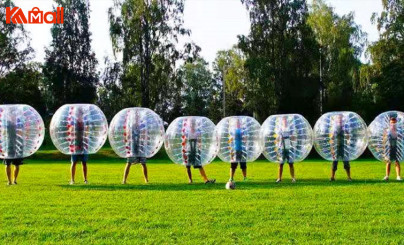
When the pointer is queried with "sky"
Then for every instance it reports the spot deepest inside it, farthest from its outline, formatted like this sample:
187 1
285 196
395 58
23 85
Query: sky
215 24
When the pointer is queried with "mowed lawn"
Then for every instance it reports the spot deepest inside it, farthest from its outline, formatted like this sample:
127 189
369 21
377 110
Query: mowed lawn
43 208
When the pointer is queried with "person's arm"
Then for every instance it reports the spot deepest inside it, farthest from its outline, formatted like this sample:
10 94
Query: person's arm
384 145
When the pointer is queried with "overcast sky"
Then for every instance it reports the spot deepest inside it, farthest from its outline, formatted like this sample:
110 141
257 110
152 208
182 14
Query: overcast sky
215 24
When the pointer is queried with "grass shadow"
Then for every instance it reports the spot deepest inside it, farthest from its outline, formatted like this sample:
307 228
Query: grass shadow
220 185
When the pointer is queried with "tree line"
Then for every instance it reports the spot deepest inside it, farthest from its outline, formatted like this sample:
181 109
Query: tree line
297 58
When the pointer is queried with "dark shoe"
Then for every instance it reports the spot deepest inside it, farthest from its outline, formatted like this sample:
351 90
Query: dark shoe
211 181
332 179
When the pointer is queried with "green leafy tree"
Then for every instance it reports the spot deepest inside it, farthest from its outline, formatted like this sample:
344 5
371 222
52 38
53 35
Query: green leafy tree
70 66
15 49
229 68
145 34
20 80
341 45
197 90
281 55
23 86
383 80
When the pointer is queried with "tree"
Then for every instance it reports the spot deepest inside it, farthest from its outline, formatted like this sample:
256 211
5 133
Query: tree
23 86
341 45
281 55
15 49
384 79
198 90
110 93
20 80
70 64
229 68
145 33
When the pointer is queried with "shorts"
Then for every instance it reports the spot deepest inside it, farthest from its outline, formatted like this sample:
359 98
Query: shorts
243 165
239 156
347 166
80 158
286 157
136 160
393 154
15 162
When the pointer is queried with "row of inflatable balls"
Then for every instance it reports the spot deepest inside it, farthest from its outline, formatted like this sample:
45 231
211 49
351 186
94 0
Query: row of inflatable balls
139 132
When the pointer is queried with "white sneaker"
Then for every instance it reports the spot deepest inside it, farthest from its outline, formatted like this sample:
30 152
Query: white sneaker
278 181
85 182
399 178
386 178
71 182
293 180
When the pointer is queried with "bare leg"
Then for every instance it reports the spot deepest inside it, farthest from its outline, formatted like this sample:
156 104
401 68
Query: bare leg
84 164
333 174
292 170
126 173
73 172
16 171
244 172
398 169
280 172
146 178
203 174
348 173
333 170
189 173
8 173
232 171
388 167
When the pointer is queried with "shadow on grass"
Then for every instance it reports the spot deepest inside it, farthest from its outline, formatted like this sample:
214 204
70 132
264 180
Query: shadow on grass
220 185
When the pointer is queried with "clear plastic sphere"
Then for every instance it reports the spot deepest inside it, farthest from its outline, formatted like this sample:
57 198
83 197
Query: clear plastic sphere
386 136
79 129
239 139
21 131
191 141
340 136
286 138
136 132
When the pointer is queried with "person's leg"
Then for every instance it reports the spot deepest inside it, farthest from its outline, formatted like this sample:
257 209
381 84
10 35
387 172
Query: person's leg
347 168
126 172
233 167
292 171
8 173
189 173
204 177
388 167
280 173
84 164
16 172
203 174
146 178
73 172
398 170
334 170
243 166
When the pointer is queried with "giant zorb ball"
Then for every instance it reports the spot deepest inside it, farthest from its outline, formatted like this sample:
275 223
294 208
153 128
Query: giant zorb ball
136 132
286 138
21 131
386 140
340 136
191 140
79 129
239 139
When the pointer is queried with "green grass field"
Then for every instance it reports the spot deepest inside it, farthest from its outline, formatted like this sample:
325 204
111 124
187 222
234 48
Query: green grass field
43 208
